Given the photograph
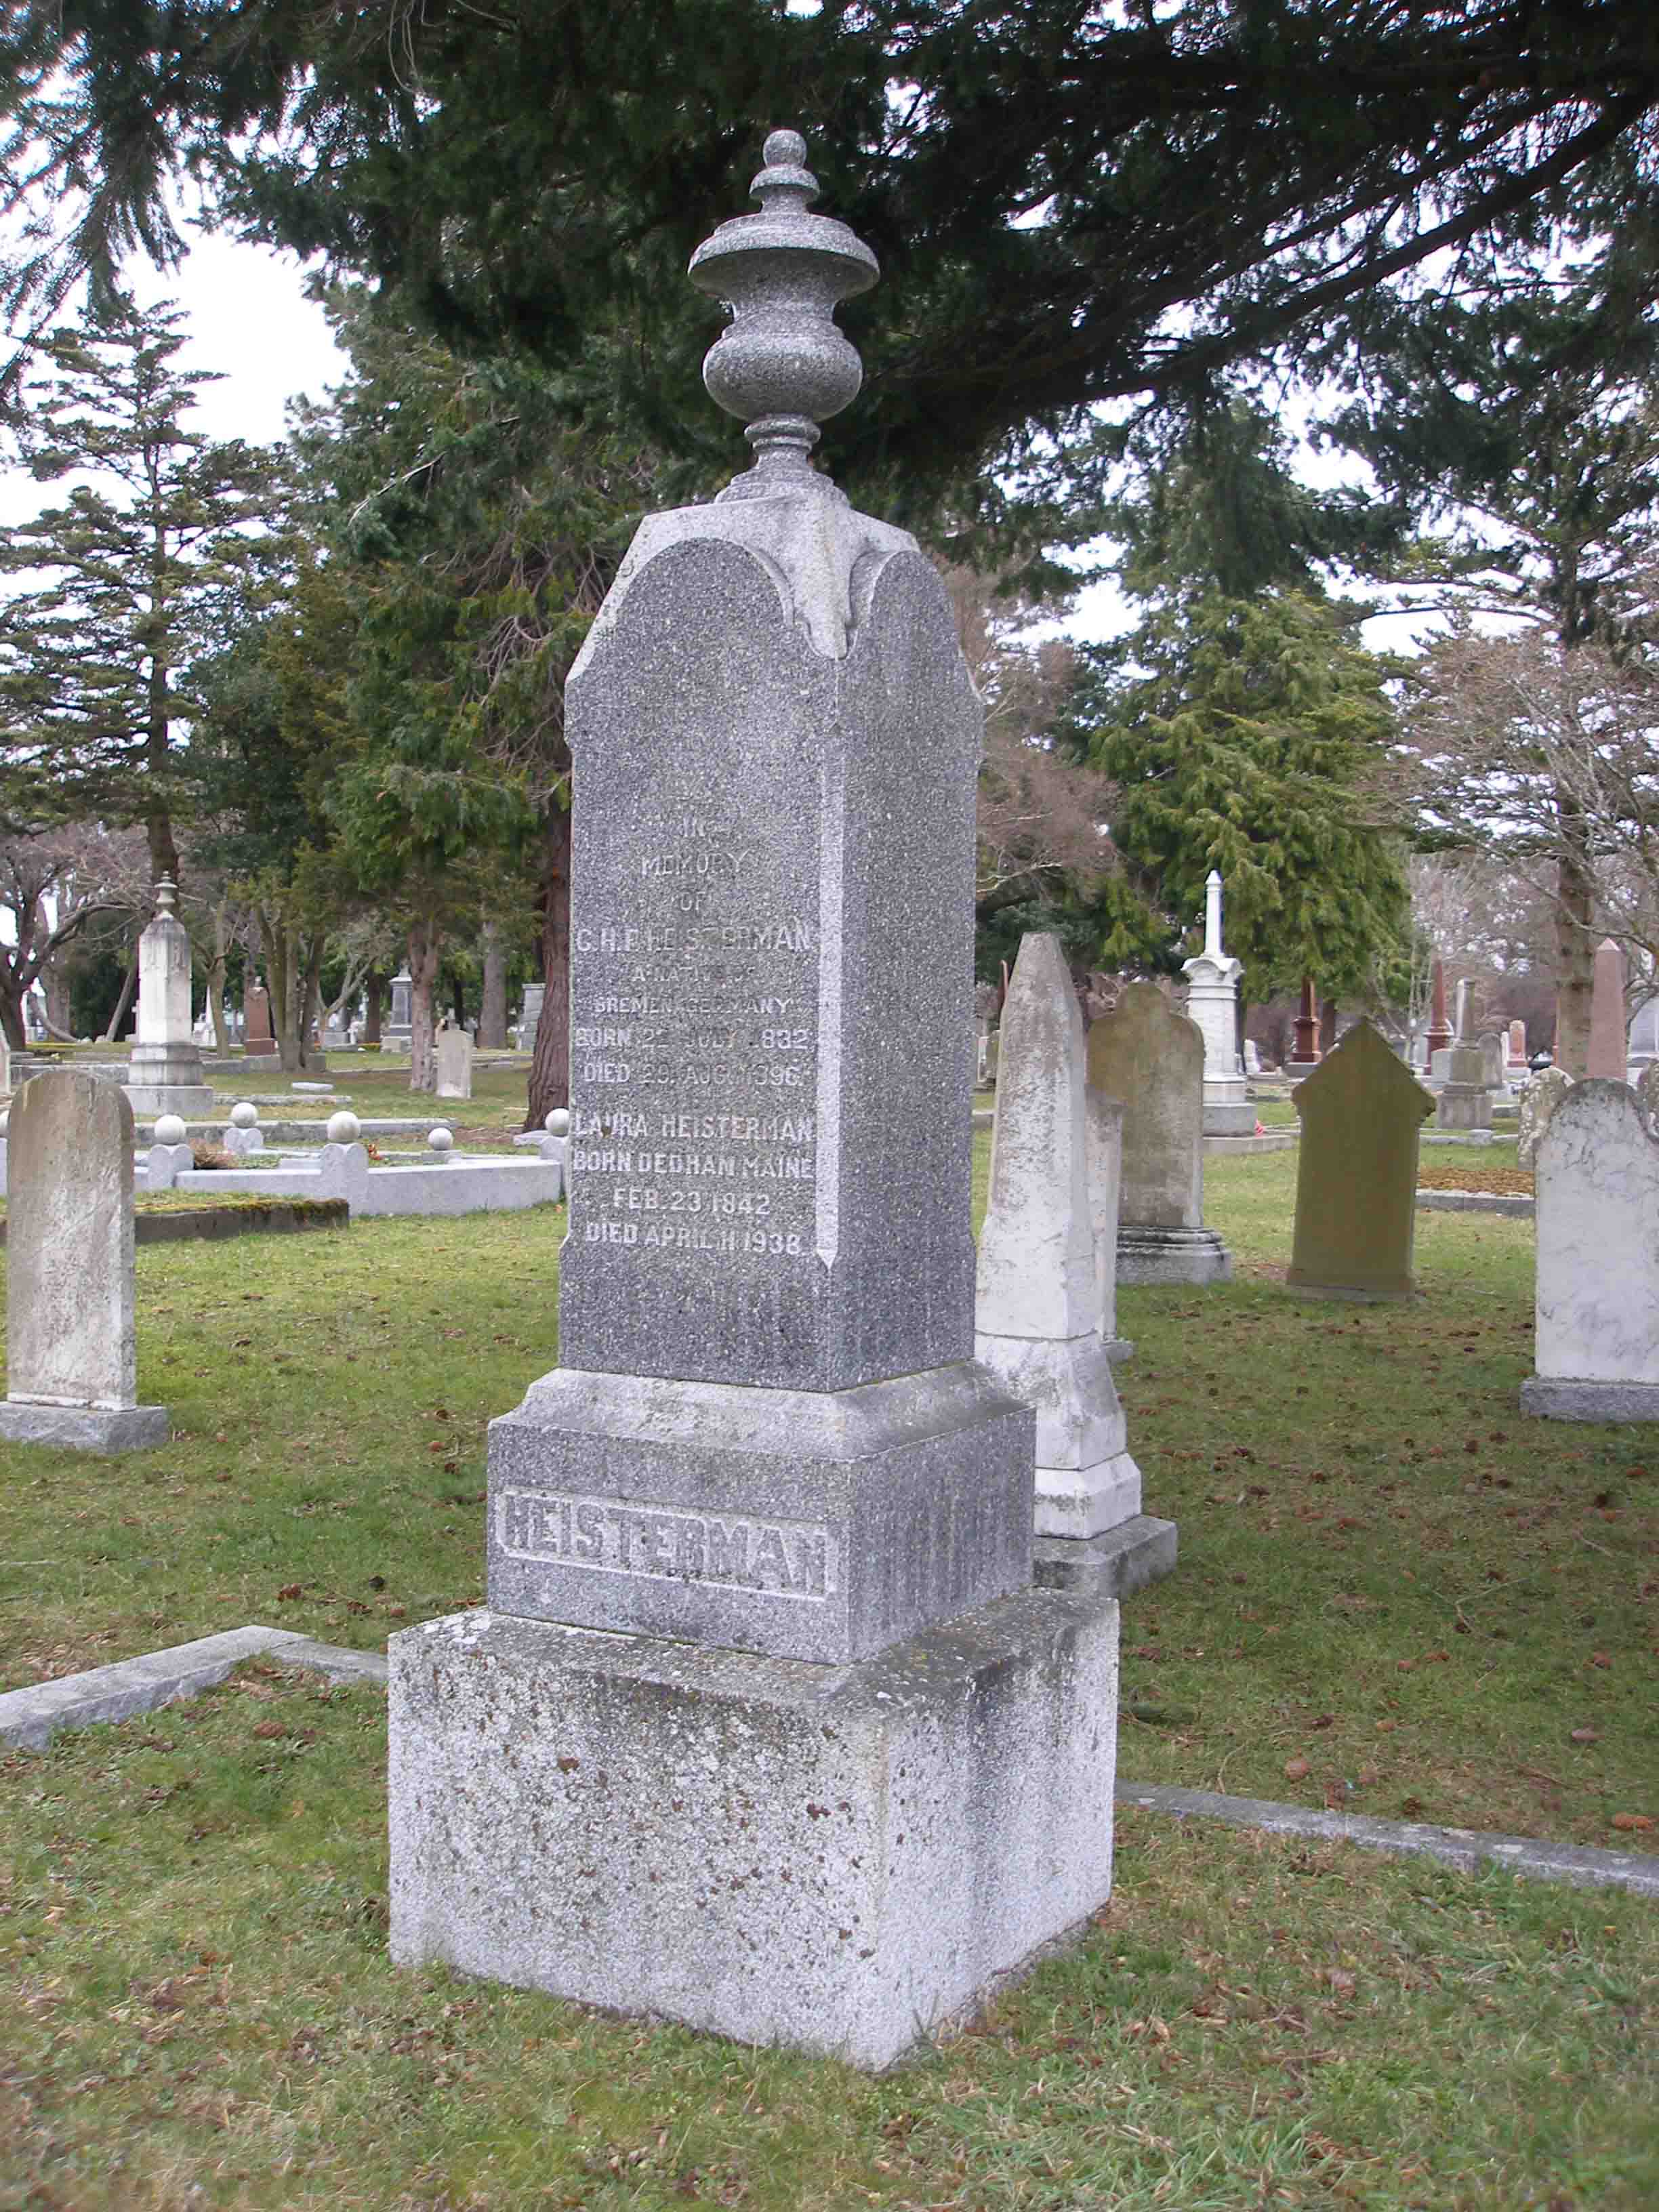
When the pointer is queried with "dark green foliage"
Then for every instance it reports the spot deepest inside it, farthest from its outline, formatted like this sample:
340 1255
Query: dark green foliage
1071 203
1242 734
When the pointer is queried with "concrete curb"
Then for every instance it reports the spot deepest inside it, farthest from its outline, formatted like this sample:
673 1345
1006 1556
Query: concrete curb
1464 1848
30 1717
1476 1201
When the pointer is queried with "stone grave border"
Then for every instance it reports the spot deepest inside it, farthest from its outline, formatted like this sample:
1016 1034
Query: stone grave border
30 1717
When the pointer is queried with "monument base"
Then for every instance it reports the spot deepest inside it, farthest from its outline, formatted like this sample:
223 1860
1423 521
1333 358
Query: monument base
1115 1563
819 1526
1366 1294
191 1102
1085 1479
1229 1120
1171 1255
1463 1106
838 1860
103 1428
1553 1398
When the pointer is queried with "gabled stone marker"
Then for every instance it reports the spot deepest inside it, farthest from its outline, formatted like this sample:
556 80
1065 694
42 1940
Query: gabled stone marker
765 1729
1596 1327
1362 1112
71 1337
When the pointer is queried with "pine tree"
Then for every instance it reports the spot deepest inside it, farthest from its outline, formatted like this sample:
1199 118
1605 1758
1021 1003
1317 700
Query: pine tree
166 540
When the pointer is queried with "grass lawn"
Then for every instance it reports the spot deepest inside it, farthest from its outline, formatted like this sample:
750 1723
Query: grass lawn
1445 1612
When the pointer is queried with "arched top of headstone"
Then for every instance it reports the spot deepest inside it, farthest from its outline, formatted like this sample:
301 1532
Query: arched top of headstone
782 367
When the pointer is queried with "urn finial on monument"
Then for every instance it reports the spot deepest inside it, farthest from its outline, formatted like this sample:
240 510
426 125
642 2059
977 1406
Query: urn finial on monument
782 368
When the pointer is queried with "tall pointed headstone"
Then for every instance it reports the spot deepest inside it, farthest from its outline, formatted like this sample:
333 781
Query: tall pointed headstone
1038 1324
1440 1028
1213 1002
760 1552
1606 1055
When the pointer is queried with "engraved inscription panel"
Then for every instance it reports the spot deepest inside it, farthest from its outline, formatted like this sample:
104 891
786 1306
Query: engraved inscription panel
669 1543
694 1049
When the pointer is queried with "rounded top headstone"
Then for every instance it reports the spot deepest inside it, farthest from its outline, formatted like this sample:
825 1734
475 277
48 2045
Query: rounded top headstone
169 1129
244 1113
557 1123
440 1139
344 1128
782 367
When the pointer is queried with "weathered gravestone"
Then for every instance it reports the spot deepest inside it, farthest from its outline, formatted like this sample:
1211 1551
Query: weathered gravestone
1152 1058
1439 1038
259 1041
453 1057
399 1032
1539 1101
1494 1062
1647 1097
1464 1102
71 1342
1038 1316
1303 1054
759 1555
1104 1155
164 1072
530 1015
1596 1343
1356 1183
1514 1054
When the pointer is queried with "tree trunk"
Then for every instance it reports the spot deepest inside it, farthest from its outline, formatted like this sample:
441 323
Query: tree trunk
125 1000
11 1011
1575 942
550 1069
374 987
425 941
492 1014
56 984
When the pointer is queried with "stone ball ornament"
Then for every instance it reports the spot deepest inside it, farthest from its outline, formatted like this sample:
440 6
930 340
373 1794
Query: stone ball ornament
440 1139
344 1128
782 367
244 1115
169 1129
557 1122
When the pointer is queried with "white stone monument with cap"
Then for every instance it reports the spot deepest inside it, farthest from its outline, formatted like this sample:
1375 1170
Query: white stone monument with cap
164 1074
765 1728
1213 1002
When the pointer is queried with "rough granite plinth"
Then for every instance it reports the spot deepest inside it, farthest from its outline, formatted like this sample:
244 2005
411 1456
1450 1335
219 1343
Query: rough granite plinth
1171 1255
836 1859
807 1525
1225 1115
106 1429
1463 1106
1553 1398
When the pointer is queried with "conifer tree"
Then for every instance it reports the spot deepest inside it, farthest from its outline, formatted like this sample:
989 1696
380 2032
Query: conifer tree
165 540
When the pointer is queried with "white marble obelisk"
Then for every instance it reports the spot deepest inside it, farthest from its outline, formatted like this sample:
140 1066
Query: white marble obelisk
1213 1002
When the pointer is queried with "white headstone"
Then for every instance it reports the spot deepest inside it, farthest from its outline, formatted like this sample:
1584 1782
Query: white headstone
453 1055
71 1347
1037 1313
1597 1176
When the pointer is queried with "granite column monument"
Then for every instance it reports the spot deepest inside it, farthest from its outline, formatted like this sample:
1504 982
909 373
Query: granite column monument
765 1729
